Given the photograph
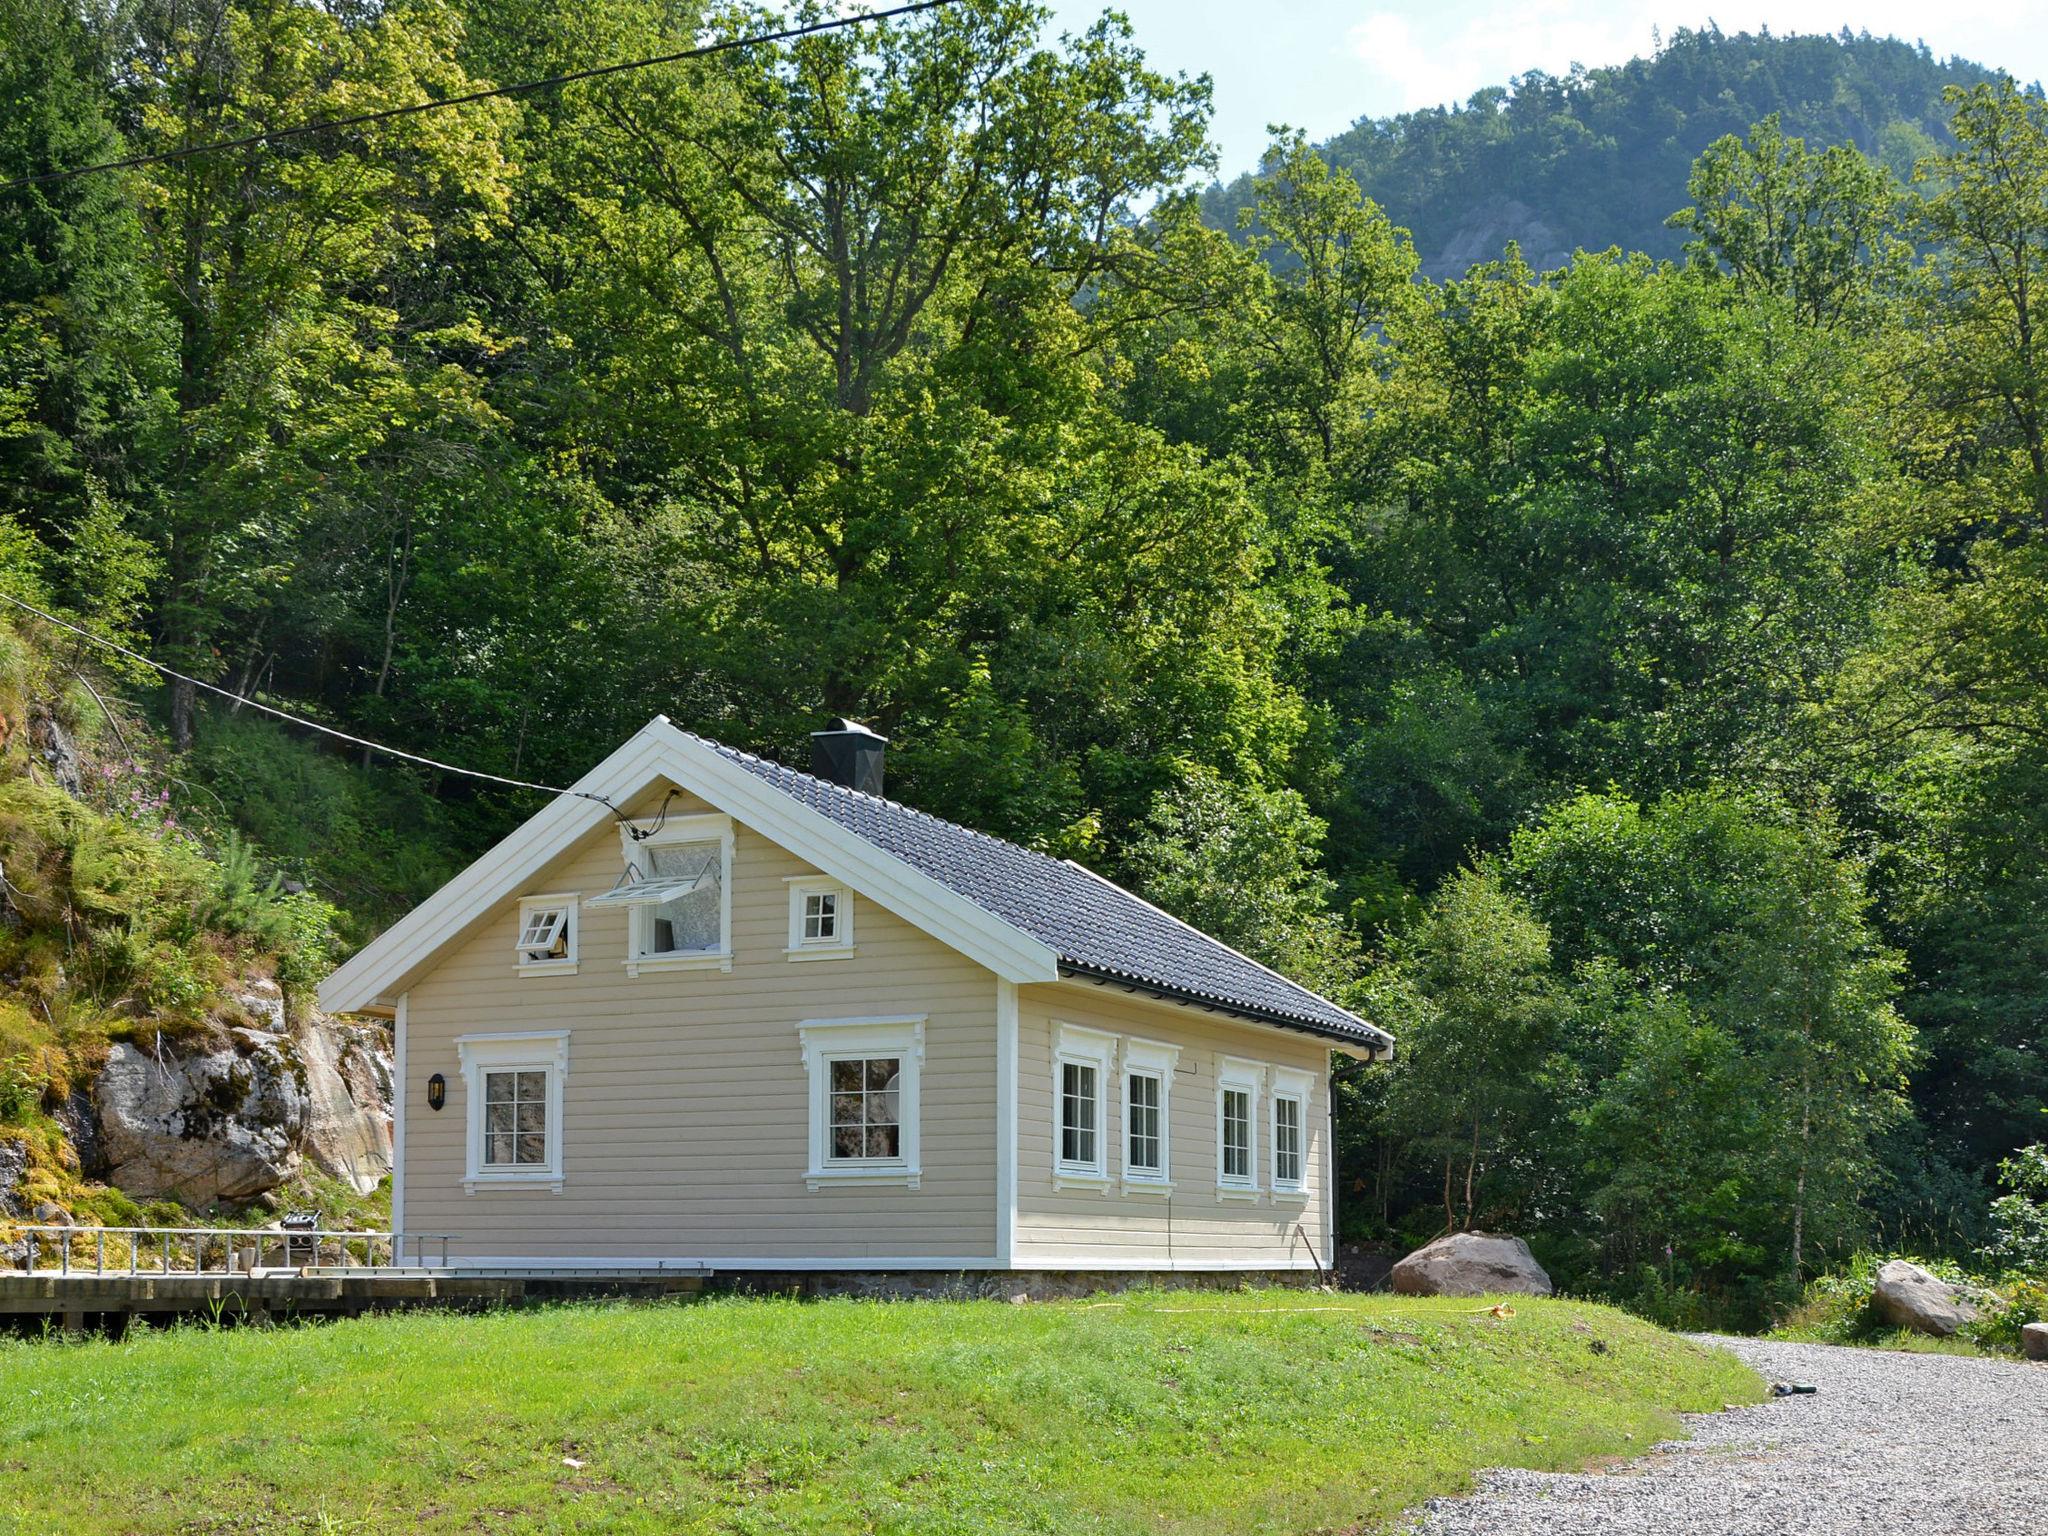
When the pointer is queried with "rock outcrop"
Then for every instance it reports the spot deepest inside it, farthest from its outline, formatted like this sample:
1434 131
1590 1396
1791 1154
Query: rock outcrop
1907 1296
240 1113
1471 1264
349 1087
2034 1341
216 1123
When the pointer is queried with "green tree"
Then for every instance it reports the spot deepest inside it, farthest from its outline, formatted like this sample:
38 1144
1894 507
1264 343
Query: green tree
1240 862
1752 919
1820 232
1470 997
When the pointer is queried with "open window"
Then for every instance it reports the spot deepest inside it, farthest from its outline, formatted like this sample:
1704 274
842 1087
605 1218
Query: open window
547 934
1237 1119
677 892
865 1079
1148 1092
1290 1130
513 1087
820 919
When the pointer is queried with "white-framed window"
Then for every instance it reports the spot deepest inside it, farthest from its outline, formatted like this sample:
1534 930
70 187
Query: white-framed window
512 1086
546 943
865 1088
1081 1063
1148 1114
820 919
1290 1129
685 864
1237 1121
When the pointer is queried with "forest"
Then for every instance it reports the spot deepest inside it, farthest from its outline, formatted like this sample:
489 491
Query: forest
1628 682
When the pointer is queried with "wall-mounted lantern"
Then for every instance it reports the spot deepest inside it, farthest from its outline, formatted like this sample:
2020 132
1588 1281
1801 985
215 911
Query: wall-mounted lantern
437 1091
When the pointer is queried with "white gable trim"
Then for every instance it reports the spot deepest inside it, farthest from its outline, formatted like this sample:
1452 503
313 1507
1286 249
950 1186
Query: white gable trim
660 750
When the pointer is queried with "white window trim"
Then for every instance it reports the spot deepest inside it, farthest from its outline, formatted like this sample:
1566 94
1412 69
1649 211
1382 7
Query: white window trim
1234 1072
1075 1045
639 920
570 903
828 1040
1157 1059
840 946
1290 1083
540 1050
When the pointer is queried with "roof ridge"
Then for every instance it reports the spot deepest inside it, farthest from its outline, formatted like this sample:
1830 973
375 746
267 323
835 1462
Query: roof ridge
861 794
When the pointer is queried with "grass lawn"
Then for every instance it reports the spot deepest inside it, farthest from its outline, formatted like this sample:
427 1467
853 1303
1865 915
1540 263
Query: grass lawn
1263 1411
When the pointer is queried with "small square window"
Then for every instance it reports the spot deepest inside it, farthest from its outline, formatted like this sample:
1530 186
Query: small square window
820 919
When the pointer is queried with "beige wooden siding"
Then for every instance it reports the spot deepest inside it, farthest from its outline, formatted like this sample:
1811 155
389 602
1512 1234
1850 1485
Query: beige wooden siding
1082 1228
685 1111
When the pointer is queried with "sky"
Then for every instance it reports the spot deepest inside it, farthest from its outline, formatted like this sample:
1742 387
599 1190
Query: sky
1322 64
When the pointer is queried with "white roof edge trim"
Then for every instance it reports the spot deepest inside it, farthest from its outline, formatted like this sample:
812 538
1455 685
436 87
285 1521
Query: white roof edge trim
660 749
911 894
373 970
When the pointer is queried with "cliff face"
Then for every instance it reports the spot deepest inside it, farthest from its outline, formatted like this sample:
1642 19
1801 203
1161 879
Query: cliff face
244 1110
153 1068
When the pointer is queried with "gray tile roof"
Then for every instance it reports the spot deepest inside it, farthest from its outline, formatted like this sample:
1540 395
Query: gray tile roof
1098 929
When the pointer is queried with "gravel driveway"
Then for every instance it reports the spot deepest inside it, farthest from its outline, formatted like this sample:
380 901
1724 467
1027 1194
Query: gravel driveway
1934 1445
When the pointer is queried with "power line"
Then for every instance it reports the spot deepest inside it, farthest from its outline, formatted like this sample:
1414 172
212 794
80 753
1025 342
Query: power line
278 135
311 725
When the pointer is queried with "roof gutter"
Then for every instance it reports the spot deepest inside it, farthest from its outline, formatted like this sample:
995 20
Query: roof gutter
1377 1044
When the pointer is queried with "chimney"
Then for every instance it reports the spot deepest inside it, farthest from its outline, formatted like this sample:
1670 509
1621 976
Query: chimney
848 753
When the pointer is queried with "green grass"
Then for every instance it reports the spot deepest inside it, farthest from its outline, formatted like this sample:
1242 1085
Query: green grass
1251 1412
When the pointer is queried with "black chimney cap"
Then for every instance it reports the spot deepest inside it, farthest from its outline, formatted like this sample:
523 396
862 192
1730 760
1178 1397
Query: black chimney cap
850 754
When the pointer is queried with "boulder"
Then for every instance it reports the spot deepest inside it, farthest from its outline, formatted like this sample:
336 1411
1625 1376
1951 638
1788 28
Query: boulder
220 1122
1907 1296
2034 1341
1471 1264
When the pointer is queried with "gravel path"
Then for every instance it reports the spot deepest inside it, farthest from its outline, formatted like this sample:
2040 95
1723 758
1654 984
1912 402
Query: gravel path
1934 1445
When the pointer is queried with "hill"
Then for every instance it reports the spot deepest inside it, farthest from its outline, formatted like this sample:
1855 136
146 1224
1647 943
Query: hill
1599 157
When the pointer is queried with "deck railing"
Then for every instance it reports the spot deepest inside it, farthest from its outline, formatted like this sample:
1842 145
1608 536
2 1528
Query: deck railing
72 1250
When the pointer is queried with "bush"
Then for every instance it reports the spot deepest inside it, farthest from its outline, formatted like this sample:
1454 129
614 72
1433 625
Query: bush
2019 1217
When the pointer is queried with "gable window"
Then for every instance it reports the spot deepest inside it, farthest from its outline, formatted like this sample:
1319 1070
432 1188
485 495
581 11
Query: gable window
820 919
1148 1084
1080 1078
1290 1129
1237 1154
547 934
513 1085
864 1078
680 896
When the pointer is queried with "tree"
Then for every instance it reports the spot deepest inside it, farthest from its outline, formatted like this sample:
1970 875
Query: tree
1469 995
1240 862
1750 917
1986 326
295 382
1819 232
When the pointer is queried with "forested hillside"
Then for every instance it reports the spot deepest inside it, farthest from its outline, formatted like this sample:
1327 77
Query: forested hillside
1599 157
1623 680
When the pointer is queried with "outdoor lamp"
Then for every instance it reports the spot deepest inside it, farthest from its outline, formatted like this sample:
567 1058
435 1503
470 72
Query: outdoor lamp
437 1091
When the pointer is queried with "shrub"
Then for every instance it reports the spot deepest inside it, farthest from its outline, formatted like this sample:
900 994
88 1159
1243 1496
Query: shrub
2019 1217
